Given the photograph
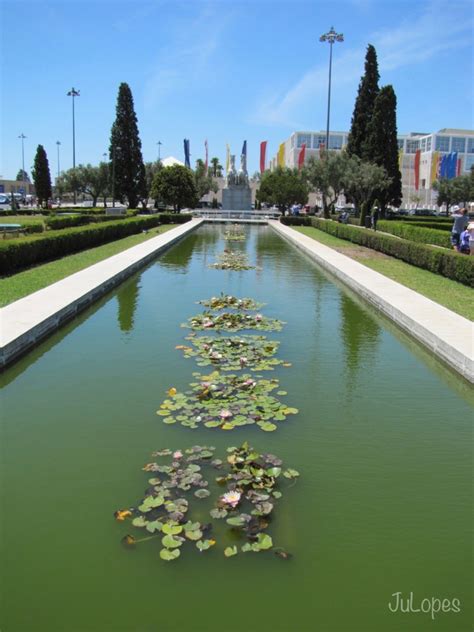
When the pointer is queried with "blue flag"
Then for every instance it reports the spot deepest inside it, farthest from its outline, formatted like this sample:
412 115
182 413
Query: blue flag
187 161
453 163
244 148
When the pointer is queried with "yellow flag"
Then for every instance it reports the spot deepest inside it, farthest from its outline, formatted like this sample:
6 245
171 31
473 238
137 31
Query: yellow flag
281 155
400 159
434 166
227 158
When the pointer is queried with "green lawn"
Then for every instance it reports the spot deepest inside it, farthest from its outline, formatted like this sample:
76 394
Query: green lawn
28 281
455 296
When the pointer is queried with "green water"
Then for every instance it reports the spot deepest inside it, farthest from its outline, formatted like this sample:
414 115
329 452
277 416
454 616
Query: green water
382 442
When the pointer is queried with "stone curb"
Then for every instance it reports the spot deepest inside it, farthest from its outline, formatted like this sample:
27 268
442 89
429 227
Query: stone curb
27 321
449 336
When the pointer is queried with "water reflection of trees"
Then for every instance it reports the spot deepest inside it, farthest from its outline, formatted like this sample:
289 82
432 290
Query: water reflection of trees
127 298
360 335
178 257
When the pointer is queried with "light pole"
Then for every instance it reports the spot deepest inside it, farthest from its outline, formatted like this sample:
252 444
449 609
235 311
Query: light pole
22 136
58 143
159 143
113 173
330 37
73 93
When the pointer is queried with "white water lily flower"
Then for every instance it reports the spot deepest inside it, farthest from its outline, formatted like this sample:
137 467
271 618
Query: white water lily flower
231 498
225 414
177 455
258 317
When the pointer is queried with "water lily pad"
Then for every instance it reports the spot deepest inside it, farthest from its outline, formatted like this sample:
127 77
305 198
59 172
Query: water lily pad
204 545
169 554
171 529
156 525
218 513
233 321
228 301
230 551
230 260
264 541
140 521
290 473
236 521
171 542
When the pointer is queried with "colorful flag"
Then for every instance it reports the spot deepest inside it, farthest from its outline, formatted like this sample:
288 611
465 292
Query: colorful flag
443 166
301 156
187 160
263 151
400 158
227 158
281 155
453 163
434 166
417 169
458 168
207 154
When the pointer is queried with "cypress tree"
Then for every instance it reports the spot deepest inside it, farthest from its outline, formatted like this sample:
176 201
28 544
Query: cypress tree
42 177
125 151
364 105
382 146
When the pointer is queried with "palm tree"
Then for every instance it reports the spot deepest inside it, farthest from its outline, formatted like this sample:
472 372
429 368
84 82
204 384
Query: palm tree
216 168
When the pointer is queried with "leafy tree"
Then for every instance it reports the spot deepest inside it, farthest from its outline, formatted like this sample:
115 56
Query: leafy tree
458 190
382 145
42 177
151 169
364 106
203 181
363 182
176 186
327 176
93 181
216 168
125 151
22 176
282 187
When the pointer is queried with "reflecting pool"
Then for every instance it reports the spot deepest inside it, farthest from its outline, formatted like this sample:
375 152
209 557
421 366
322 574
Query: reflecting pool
382 442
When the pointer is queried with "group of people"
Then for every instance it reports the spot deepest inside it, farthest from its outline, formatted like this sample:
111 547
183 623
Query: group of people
462 233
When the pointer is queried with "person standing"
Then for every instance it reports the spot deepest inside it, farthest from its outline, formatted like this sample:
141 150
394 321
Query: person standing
375 217
460 222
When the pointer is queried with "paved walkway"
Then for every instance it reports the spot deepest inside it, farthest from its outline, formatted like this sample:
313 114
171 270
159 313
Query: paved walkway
28 320
448 335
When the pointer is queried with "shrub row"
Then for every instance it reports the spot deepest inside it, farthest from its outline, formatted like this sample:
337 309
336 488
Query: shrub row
58 222
415 233
28 251
448 263
446 226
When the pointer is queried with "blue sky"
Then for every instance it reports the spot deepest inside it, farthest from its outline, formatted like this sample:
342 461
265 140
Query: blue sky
222 70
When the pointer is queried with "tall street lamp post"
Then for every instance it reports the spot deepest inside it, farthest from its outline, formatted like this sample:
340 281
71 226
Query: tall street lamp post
330 37
22 136
159 143
73 93
113 174
58 143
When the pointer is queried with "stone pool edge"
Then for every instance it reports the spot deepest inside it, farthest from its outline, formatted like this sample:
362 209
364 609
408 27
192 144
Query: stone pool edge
26 322
446 334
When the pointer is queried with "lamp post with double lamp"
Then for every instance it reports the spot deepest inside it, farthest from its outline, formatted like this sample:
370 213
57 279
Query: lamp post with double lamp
22 137
330 37
73 93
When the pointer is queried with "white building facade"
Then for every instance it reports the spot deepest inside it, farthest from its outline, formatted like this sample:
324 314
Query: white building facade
431 146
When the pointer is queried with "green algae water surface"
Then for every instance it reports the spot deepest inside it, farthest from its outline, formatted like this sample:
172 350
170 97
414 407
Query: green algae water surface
378 522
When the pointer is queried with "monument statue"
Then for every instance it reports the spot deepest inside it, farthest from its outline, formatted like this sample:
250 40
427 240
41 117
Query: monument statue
232 175
237 196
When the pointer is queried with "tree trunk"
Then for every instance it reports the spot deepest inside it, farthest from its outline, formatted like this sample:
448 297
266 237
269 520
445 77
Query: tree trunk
363 212
94 201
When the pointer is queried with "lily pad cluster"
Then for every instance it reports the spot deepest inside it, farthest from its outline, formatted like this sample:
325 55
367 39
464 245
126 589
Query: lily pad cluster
235 234
251 481
226 402
255 353
225 301
231 260
233 321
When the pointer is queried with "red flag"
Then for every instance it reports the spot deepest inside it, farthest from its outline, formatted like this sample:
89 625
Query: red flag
207 154
301 156
458 169
417 168
263 150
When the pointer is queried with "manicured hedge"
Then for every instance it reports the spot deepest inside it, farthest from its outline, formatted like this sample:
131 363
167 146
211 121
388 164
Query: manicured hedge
446 226
448 263
58 222
415 233
28 251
